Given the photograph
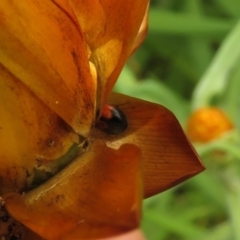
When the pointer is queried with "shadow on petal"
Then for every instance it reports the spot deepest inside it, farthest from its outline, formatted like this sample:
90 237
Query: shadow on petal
98 195
168 157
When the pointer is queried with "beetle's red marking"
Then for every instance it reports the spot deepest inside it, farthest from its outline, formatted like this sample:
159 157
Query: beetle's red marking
107 111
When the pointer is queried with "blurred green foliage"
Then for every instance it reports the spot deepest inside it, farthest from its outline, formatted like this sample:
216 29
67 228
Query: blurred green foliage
191 59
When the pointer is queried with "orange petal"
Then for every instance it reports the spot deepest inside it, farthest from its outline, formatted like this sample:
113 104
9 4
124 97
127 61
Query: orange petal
125 17
43 47
29 130
142 33
110 34
97 196
168 157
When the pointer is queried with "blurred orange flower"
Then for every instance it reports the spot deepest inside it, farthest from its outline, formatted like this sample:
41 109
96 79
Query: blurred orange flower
60 176
207 124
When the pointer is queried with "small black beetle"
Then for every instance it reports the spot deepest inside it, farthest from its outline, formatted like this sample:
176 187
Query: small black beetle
112 121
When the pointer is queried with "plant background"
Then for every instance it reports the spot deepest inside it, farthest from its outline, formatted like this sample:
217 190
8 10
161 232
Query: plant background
191 59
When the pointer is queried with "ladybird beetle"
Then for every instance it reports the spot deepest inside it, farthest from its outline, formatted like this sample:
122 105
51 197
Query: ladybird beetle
112 121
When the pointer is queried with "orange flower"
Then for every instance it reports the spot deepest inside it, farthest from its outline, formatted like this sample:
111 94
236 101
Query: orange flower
61 177
207 124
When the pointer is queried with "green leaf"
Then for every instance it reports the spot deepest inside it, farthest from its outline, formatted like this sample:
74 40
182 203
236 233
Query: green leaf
233 197
168 22
232 7
174 224
231 100
215 78
222 231
152 91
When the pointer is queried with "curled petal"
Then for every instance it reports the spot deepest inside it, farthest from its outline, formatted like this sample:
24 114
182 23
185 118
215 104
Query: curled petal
168 157
97 196
110 34
43 48
142 33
